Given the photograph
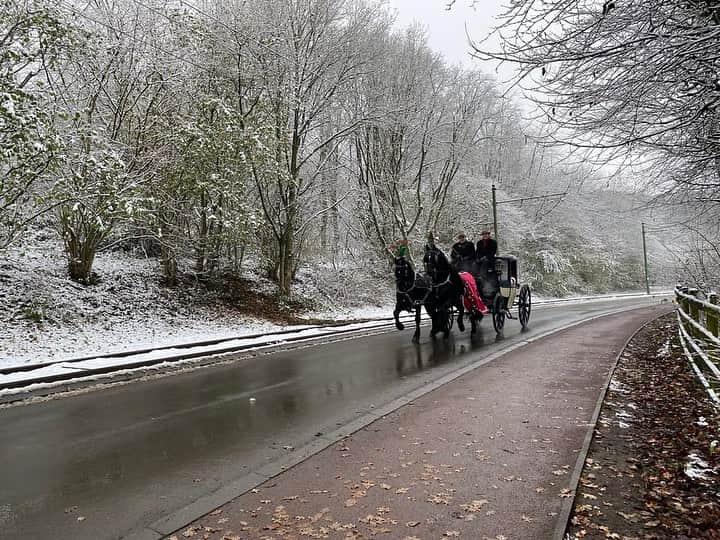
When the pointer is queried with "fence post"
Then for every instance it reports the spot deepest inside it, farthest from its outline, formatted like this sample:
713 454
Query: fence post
682 301
694 313
712 316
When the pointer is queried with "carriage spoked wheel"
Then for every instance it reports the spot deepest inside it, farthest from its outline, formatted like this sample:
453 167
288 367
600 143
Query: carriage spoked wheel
524 305
498 313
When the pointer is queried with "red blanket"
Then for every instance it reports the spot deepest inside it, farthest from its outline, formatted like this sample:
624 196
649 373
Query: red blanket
471 298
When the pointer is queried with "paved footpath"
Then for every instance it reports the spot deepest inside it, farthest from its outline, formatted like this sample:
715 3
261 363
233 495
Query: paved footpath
494 454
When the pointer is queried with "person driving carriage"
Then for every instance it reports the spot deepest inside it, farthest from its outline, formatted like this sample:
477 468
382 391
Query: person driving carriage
400 248
403 249
462 250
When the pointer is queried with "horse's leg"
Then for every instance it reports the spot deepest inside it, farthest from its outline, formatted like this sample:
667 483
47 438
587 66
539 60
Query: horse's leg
432 312
461 312
399 325
444 314
473 324
416 336
396 313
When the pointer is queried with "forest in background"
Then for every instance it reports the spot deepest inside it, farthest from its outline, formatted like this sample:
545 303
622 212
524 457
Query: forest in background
273 135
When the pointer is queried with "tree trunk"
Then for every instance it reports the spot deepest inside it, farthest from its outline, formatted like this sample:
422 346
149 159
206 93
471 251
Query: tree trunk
202 236
80 265
169 265
286 259
81 239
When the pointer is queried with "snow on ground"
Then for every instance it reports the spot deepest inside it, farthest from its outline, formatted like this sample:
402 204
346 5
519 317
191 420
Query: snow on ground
45 316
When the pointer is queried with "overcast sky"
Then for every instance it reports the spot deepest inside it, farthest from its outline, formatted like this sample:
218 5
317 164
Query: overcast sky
447 29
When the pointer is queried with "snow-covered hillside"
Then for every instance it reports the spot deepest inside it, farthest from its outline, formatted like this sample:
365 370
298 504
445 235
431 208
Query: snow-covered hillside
45 315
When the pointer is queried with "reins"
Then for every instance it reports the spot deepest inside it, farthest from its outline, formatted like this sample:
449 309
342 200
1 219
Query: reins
413 287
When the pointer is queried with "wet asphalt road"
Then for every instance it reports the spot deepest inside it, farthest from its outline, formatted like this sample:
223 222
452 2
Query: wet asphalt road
124 457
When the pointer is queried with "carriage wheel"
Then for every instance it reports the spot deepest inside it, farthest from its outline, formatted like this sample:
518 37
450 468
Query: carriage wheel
524 305
499 313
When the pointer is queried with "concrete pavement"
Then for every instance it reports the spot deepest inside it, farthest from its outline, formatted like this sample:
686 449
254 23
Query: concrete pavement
494 454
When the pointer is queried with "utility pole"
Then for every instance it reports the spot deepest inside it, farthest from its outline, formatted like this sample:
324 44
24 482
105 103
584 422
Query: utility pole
495 203
647 279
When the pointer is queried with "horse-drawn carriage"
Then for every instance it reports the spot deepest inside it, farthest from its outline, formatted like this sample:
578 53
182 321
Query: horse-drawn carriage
447 292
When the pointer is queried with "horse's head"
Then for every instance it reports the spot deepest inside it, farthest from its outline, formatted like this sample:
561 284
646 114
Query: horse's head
404 272
436 265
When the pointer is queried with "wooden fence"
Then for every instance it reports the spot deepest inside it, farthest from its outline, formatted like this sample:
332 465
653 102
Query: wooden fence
698 316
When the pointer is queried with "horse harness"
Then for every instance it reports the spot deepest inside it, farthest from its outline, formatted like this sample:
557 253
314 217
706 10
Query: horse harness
414 286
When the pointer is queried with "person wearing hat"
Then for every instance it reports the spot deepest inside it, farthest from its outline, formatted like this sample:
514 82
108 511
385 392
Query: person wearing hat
486 249
462 250
430 241
403 249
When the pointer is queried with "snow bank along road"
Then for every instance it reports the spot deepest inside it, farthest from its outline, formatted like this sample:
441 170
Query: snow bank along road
112 463
23 380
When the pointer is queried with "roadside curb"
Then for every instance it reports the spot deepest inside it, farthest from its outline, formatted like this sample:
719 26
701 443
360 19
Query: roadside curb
133 374
202 506
569 503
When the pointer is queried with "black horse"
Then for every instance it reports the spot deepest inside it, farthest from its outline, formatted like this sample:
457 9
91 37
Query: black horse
412 292
447 288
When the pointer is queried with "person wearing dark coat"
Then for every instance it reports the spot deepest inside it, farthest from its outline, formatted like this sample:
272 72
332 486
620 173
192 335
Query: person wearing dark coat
462 250
486 248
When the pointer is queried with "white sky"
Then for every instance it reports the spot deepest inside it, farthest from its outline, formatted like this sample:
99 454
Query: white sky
447 29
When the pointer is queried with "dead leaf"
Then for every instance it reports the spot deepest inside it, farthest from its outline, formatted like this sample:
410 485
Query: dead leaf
474 506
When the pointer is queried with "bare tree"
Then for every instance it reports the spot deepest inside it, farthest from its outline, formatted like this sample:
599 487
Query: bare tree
304 55
429 122
620 75
631 81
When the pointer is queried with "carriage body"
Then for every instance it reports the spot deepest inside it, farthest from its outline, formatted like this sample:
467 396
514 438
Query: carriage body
506 270
499 290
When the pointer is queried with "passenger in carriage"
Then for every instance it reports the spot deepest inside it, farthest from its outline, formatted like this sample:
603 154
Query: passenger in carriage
486 249
461 251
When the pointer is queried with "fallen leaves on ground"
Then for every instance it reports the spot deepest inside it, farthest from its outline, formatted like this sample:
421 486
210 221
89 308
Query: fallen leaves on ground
654 417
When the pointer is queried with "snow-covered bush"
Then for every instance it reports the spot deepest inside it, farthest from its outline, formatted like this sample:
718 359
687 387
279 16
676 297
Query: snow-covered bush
32 36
